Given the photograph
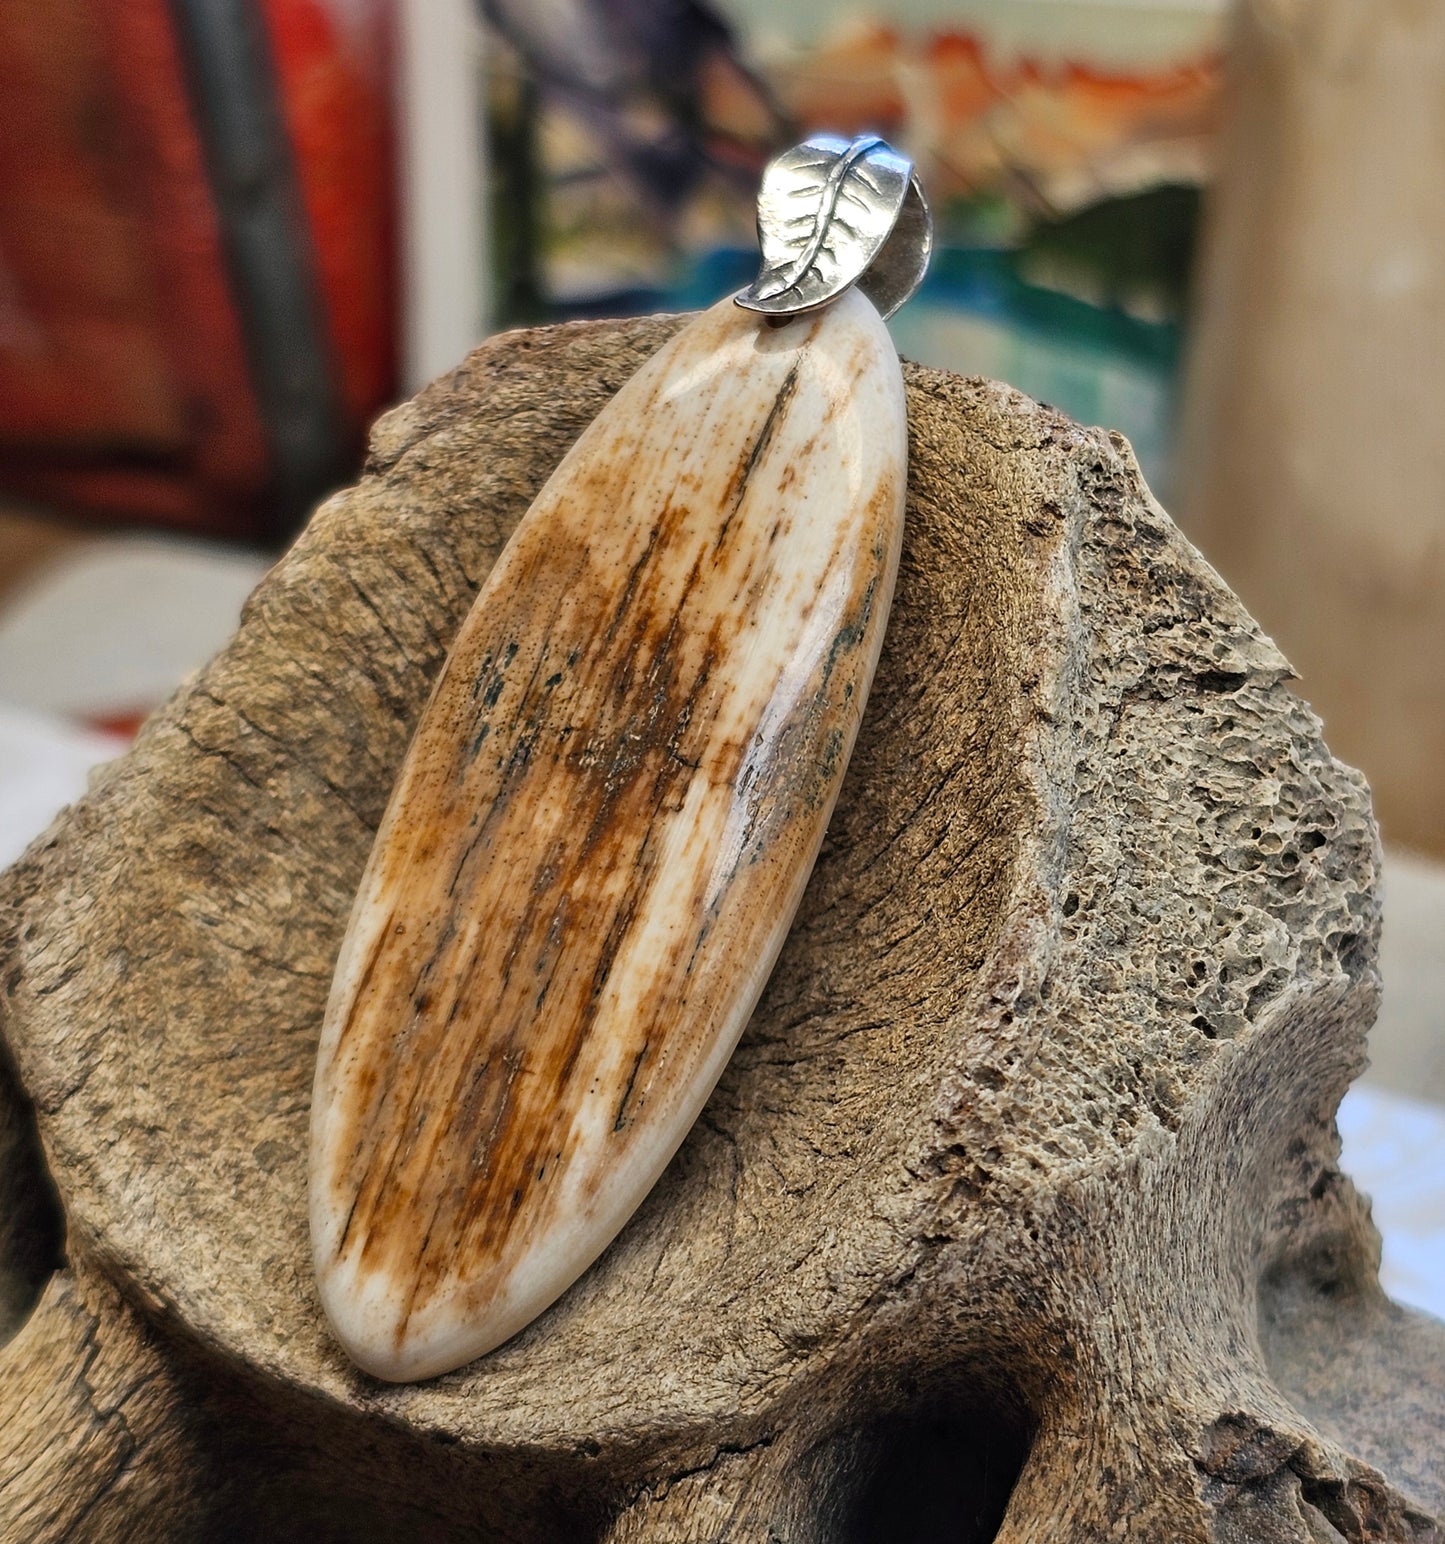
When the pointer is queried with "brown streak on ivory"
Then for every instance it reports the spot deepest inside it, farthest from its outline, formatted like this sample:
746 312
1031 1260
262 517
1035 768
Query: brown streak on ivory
602 829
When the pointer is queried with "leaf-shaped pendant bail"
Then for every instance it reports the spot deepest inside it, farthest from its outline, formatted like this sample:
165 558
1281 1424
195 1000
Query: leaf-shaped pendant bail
832 213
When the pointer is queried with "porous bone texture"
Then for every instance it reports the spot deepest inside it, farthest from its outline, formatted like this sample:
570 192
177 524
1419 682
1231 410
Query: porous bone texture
1026 1160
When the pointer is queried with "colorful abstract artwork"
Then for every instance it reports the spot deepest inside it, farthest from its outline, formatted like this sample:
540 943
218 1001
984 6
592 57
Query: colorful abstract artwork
1063 143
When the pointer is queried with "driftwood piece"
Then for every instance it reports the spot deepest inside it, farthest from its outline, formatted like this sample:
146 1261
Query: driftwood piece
1017 1213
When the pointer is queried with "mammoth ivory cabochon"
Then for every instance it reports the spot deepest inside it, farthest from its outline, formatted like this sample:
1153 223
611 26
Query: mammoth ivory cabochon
602 830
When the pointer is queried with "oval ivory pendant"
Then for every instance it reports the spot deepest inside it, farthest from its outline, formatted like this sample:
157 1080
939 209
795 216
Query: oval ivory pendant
602 830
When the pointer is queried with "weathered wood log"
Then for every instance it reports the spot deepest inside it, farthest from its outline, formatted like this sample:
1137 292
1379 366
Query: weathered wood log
1312 465
1017 1213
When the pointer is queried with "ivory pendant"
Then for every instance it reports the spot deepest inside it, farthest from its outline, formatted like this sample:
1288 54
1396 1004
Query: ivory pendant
602 830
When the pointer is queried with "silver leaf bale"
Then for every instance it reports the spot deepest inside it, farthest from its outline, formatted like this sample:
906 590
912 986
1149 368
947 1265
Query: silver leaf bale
833 213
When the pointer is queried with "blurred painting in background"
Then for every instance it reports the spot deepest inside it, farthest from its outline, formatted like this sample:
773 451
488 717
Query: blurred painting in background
202 203
197 295
1064 145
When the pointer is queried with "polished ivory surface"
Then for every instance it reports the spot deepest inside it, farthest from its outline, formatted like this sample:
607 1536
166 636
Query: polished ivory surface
602 830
